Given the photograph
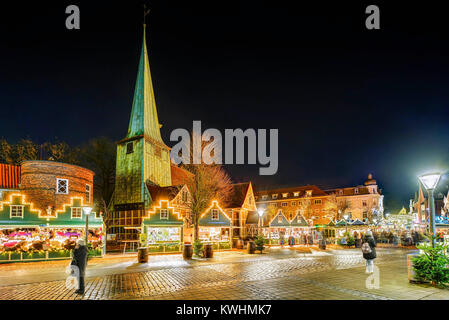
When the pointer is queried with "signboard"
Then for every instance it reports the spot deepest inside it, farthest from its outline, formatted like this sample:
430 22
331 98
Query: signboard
111 237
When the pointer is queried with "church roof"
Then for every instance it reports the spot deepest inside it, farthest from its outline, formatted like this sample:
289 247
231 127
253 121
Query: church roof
144 119
179 175
163 193
239 191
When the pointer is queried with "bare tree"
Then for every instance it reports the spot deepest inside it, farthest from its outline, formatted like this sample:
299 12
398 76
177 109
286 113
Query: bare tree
60 151
99 155
208 182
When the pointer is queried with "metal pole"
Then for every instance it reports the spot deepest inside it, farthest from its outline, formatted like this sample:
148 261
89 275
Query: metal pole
87 229
432 217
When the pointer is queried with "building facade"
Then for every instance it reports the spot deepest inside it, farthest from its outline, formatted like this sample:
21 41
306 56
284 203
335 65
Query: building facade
319 207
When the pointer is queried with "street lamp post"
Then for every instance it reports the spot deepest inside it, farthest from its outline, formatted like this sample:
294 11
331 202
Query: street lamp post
346 221
430 181
260 212
87 211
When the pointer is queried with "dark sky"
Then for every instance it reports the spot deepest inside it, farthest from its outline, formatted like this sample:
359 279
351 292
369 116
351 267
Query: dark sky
347 101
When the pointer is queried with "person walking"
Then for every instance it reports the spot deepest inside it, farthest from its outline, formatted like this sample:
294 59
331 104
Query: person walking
369 251
79 259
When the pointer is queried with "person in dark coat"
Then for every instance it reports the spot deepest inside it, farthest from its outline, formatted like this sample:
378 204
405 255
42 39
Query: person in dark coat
369 257
79 259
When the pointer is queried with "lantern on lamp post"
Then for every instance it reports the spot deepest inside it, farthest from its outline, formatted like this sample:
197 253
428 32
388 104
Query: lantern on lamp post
430 182
87 211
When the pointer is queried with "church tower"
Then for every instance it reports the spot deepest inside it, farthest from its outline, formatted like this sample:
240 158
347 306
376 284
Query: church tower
142 156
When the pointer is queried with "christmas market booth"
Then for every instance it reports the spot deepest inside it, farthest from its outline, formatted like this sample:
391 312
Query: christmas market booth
300 229
442 226
330 231
162 229
26 234
354 227
277 231
215 227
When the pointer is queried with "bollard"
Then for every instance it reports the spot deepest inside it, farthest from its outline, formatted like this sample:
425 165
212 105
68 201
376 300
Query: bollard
187 251
142 255
251 247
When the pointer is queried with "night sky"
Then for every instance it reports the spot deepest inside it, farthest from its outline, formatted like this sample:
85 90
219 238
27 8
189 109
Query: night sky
347 101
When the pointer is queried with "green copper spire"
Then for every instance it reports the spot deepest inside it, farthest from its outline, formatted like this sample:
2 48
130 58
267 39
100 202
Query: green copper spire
144 119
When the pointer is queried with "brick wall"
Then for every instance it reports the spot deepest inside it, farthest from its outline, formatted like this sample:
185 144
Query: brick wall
38 183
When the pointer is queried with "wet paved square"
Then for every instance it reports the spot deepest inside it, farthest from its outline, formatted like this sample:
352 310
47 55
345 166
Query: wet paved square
280 274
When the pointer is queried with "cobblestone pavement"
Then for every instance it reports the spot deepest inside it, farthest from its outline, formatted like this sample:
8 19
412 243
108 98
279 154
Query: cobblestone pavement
280 274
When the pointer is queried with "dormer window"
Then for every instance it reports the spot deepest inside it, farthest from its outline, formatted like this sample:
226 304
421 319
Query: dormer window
296 194
264 197
285 195
309 193
340 192
356 190
274 196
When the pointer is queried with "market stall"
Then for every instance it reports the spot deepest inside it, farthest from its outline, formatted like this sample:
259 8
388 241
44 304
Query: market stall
330 232
299 229
215 227
26 235
162 229
278 229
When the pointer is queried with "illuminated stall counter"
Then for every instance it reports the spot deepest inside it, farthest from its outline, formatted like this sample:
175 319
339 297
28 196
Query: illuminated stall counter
162 229
28 235
215 227
278 229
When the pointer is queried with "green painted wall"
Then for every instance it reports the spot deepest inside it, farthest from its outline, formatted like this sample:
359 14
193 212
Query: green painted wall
31 218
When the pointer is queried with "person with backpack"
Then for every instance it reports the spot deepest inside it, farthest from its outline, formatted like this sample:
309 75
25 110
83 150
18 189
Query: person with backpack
369 251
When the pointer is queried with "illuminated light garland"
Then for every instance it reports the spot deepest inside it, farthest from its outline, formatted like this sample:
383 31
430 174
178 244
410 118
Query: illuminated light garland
22 203
150 212
64 206
215 205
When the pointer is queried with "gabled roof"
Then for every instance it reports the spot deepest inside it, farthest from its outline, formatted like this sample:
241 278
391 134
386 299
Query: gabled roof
316 192
342 223
331 223
357 222
222 219
179 175
279 220
158 193
239 191
299 221
9 176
